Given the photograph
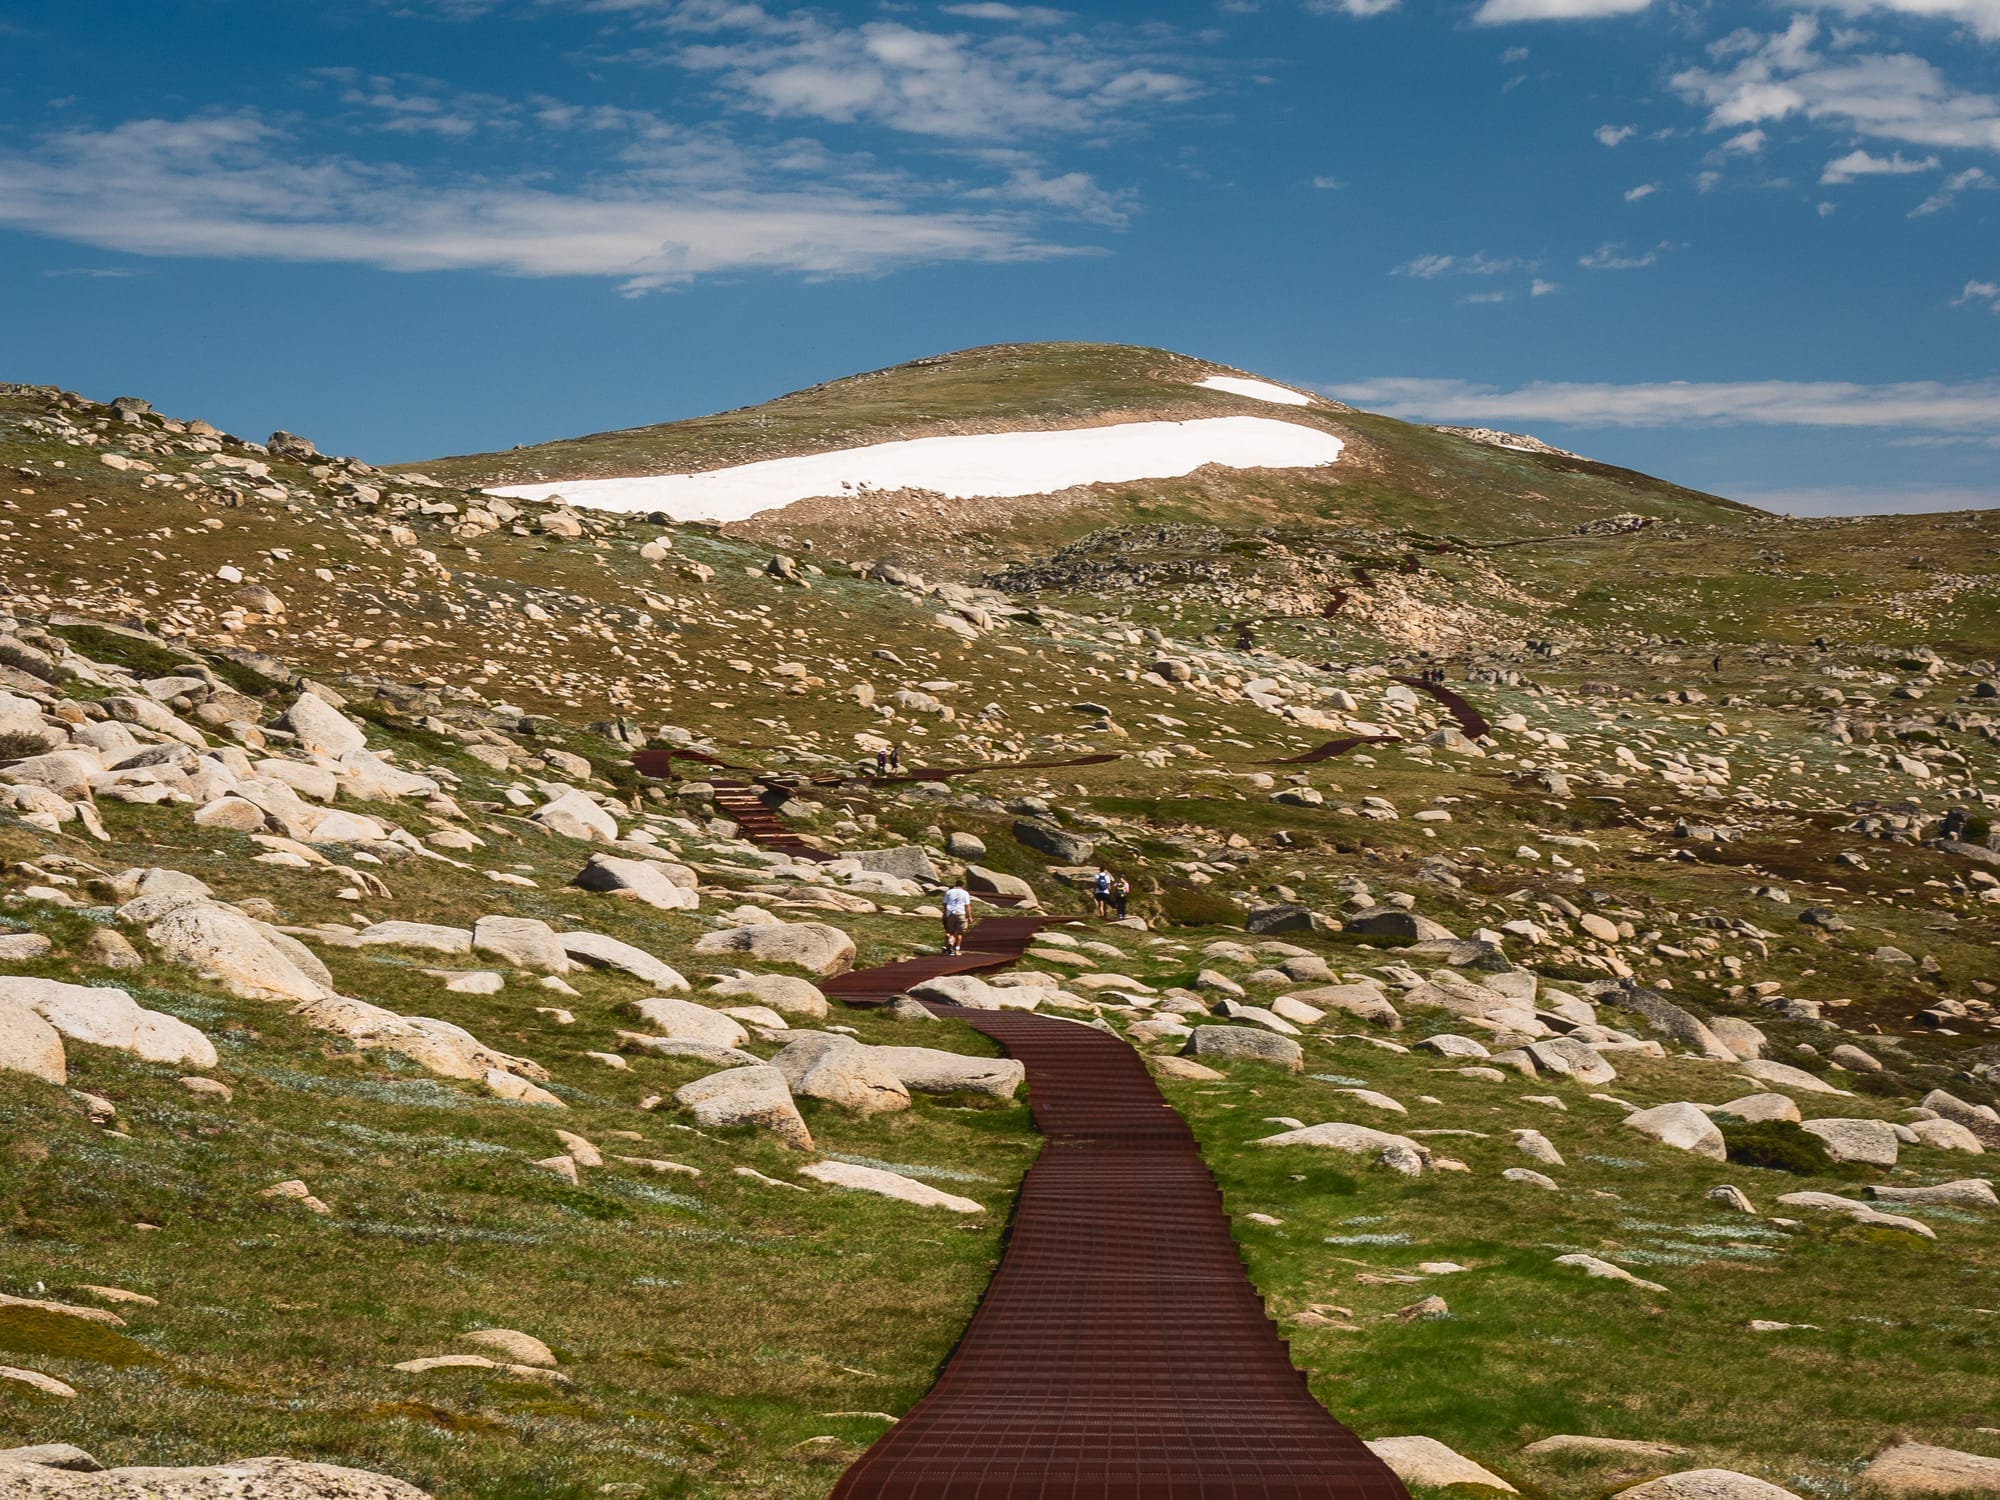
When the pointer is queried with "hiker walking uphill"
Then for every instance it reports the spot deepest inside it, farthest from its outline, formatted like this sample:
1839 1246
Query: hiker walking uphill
957 906
1100 890
1121 893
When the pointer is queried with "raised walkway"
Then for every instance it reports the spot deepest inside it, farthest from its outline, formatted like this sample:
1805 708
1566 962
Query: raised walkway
1120 1352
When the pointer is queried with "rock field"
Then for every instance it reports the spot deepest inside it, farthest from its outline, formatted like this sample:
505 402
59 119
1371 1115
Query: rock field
394 1081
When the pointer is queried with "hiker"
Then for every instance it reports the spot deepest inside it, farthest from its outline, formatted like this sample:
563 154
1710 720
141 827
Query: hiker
1101 889
1121 892
895 757
882 761
957 905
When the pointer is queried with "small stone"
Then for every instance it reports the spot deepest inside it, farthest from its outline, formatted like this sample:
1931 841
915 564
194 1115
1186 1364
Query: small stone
1590 1265
35 1380
1427 1462
520 1348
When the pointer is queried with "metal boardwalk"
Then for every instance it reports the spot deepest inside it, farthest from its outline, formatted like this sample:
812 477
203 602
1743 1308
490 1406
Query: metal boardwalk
1120 1352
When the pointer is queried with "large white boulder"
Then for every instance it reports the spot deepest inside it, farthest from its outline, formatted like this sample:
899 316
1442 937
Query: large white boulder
241 954
1427 1462
575 815
812 946
1685 1126
782 992
321 728
1920 1469
1706 1484
843 1174
826 1065
930 1070
30 1045
438 1046
650 881
111 1018
690 1022
602 952
426 936
243 1479
755 1096
524 942
1397 1152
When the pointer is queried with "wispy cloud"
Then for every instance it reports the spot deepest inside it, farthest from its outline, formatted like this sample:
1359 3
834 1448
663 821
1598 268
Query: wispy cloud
956 85
1984 294
1887 96
1643 190
1615 135
1500 12
1952 186
96 273
1859 163
677 207
1479 263
1612 256
1968 407
1020 15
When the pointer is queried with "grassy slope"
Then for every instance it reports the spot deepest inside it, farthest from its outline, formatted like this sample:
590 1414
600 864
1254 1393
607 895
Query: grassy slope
1395 474
275 1328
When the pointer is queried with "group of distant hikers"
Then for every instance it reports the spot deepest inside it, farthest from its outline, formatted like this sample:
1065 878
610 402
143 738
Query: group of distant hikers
1111 893
889 758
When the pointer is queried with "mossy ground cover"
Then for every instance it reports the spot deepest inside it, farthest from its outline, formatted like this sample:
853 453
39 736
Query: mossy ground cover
1904 1333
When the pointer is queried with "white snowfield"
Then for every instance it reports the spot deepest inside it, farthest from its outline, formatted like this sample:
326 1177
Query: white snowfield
1256 390
977 465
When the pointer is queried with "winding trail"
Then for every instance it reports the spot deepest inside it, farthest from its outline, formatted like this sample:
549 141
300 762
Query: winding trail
1121 1352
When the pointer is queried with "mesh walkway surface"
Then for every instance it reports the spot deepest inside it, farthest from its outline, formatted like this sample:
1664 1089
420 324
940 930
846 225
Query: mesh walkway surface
1120 1353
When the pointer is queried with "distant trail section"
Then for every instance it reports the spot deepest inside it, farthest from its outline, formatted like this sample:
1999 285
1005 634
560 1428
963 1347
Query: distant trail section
1121 1352
962 467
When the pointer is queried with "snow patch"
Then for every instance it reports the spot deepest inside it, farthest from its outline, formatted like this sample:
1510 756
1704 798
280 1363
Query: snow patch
1256 390
975 466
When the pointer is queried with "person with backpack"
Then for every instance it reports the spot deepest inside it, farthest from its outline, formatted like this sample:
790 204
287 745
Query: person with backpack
1121 892
1101 889
957 907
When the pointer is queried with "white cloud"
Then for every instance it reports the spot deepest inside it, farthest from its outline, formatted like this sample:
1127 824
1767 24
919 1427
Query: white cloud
1430 267
1979 293
1958 182
1329 184
1541 288
1359 8
1858 163
1023 15
1888 96
1612 256
1745 142
1615 135
1074 195
237 186
1643 190
958 86
1982 16
1514 56
1499 12
1923 405
1483 297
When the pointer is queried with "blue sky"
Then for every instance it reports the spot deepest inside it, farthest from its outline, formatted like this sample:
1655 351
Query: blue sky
1749 247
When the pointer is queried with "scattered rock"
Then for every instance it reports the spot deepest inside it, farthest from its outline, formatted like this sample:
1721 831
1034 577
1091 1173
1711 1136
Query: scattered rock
861 1179
1427 1462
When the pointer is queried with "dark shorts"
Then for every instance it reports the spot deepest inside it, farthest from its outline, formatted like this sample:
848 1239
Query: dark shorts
954 922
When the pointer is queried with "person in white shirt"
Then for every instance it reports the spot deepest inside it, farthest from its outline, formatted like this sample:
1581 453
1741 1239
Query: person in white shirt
957 907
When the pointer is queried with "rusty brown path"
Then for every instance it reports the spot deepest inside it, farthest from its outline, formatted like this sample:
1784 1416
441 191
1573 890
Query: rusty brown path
1121 1352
